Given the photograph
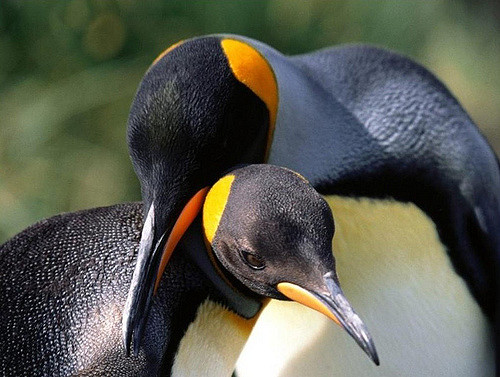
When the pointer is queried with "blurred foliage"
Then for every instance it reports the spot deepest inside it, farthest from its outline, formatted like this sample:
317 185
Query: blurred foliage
69 70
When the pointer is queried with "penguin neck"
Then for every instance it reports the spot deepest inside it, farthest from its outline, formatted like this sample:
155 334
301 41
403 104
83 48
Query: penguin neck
305 103
200 252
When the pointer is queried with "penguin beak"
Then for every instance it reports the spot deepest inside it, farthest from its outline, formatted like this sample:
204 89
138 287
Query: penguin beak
152 259
330 301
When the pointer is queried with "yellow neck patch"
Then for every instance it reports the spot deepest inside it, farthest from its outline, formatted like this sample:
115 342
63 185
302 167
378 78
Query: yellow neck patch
166 52
215 203
252 69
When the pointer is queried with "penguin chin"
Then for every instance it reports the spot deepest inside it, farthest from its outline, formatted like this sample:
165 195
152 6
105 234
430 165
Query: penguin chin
260 289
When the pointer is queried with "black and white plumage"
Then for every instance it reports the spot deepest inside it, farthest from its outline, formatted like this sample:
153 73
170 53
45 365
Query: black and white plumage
412 183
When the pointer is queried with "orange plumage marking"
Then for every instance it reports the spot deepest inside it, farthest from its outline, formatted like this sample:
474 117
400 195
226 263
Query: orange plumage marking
183 222
252 69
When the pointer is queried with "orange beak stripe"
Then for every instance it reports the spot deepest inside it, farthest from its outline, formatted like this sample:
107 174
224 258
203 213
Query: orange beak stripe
187 216
304 297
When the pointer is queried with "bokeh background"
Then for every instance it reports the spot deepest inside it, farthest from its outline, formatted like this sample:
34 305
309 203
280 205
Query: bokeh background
69 70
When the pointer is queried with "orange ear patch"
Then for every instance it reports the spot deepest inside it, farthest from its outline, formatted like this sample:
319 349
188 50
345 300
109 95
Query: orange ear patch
252 69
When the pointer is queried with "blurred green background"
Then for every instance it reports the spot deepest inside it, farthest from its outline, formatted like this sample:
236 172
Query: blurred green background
69 70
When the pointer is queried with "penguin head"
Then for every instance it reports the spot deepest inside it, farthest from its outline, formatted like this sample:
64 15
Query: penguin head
260 216
271 233
204 105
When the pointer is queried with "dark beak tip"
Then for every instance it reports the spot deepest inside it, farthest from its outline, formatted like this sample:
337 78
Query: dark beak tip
348 318
370 350
374 356
367 345
126 345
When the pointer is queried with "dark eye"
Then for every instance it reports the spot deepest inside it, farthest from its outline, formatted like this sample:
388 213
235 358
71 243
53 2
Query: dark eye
252 260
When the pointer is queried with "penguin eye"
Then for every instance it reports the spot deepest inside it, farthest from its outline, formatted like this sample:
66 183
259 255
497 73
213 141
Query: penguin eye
253 261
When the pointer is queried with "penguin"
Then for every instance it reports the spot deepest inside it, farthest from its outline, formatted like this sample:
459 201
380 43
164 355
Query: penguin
415 185
268 235
264 233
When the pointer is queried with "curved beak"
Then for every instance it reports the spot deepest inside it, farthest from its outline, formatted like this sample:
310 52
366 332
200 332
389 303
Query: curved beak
155 250
330 301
